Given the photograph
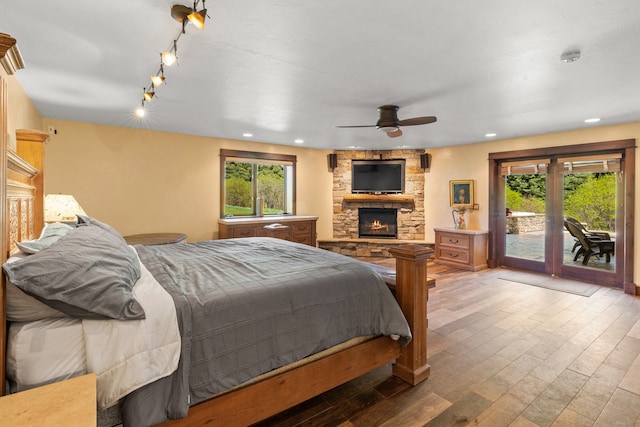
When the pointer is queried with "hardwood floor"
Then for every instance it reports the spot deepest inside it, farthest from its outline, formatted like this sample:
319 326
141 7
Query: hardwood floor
502 353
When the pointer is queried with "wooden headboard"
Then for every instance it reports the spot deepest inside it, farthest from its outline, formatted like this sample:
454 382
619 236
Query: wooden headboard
23 219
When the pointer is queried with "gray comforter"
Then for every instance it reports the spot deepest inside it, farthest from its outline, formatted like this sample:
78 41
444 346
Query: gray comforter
248 306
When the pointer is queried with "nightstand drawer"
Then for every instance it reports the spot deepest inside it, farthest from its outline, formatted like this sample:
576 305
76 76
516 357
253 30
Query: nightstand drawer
454 240
455 255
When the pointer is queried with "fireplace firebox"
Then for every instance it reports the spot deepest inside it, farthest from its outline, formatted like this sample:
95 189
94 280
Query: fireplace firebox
378 222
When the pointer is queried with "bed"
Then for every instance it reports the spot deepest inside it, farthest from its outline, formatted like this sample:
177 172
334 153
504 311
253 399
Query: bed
248 400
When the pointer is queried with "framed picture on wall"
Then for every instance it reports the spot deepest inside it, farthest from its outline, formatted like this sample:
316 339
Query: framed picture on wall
461 193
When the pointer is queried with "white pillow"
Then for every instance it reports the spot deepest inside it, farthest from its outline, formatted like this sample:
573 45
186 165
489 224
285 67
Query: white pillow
49 235
22 307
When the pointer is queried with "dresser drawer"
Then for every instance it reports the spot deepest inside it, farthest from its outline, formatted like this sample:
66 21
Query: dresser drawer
304 229
305 239
279 231
248 231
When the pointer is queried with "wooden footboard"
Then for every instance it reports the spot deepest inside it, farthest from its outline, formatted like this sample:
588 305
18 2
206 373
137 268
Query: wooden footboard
250 404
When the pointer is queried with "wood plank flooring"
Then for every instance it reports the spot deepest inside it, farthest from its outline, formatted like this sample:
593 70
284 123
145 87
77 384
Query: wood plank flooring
502 353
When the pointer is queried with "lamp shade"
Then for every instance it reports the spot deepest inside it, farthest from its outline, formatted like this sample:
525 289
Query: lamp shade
61 208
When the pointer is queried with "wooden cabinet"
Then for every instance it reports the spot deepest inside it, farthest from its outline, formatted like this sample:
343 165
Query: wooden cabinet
465 249
300 229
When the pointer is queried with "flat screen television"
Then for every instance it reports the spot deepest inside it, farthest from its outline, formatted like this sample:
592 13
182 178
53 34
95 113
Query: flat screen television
377 176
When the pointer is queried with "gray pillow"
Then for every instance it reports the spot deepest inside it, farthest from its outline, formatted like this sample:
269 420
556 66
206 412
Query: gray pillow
50 234
88 273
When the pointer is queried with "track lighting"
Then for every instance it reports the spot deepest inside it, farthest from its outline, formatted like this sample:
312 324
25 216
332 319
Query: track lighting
182 14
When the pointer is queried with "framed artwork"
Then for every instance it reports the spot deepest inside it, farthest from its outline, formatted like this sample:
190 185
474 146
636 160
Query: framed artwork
461 193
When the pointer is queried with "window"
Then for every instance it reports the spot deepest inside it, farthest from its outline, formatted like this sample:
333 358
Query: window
255 184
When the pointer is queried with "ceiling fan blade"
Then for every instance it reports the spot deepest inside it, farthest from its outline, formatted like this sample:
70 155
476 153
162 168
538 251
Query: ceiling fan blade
358 126
417 121
395 133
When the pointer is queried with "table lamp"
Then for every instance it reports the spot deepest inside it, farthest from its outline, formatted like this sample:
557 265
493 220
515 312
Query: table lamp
61 208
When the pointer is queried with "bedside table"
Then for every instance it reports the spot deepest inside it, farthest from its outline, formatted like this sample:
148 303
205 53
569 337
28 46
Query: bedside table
155 239
69 403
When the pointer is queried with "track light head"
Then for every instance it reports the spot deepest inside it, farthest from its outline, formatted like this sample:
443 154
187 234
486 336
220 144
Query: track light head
156 79
140 110
169 57
197 18
148 95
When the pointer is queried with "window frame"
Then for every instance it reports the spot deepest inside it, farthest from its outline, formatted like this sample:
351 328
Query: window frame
288 159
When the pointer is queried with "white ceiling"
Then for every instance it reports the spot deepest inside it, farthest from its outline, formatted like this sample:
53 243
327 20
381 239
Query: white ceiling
289 69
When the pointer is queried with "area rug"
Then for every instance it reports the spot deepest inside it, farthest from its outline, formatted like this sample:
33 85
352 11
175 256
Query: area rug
549 282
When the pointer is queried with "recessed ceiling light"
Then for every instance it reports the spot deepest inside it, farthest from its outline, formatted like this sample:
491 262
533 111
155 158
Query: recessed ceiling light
247 135
299 141
593 120
490 135
353 146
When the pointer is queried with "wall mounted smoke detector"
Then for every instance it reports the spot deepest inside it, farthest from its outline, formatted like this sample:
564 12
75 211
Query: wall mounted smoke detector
570 55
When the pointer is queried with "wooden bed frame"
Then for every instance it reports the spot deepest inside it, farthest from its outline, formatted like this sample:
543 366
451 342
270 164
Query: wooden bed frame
22 218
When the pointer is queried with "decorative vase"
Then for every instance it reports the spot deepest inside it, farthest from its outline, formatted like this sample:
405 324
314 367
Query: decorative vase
459 221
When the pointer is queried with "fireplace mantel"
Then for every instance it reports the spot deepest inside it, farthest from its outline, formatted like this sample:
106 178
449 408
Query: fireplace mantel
378 198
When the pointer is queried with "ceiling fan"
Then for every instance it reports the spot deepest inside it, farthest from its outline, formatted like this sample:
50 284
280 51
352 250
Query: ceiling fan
389 123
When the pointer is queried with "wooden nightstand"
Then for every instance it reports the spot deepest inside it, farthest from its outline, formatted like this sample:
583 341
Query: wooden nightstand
465 249
70 403
155 239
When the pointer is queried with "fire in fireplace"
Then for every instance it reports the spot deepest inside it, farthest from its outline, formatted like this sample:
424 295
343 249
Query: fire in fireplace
378 222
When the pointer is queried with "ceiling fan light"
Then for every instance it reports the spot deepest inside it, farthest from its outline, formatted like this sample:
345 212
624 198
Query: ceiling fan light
387 129
197 18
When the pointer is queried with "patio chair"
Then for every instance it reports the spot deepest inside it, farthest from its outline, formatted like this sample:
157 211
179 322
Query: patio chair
589 246
589 234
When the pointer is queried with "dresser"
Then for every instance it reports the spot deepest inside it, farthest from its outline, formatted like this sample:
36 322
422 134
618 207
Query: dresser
299 229
465 249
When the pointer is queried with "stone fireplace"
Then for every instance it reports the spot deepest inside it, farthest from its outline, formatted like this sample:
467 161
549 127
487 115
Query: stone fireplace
378 223
408 207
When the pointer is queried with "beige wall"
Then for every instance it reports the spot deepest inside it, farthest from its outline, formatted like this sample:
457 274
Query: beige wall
142 181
